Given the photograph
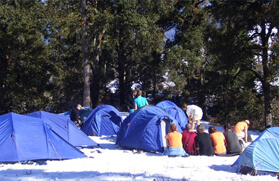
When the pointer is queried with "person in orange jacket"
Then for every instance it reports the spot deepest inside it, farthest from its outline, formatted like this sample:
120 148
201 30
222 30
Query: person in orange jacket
218 141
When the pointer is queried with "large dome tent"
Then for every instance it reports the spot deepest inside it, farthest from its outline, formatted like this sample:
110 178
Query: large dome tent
26 138
146 129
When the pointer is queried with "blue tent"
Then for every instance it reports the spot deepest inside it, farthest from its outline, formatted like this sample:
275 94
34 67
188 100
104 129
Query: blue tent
262 155
103 120
65 128
175 112
146 129
24 138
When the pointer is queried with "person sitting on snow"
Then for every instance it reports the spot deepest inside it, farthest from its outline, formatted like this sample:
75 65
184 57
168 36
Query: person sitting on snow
203 142
232 143
218 141
188 140
174 141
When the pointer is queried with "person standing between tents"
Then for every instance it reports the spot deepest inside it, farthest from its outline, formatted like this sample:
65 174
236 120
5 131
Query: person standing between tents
176 98
203 142
140 101
232 143
174 141
188 140
194 114
131 101
218 141
241 130
75 117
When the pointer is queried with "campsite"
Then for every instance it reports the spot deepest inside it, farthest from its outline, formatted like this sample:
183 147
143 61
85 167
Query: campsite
105 159
103 89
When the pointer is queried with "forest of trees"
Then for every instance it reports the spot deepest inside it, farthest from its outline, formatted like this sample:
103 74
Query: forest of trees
221 55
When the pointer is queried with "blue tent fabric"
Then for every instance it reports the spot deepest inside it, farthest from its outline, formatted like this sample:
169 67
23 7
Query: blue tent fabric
142 129
262 155
165 103
24 138
65 128
103 120
175 112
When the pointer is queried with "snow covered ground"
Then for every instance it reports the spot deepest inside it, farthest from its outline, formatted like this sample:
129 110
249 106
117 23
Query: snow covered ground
111 162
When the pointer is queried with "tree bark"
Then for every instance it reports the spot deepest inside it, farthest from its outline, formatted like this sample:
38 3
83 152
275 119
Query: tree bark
266 76
86 65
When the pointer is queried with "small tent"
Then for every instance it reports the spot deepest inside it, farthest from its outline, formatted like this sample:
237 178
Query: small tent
24 138
65 128
146 129
261 157
175 112
103 120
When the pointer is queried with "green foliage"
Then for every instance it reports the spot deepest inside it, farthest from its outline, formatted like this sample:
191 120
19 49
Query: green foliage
25 67
242 38
64 41
217 54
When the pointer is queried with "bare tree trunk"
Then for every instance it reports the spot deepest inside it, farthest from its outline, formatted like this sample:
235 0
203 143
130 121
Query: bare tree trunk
86 73
266 76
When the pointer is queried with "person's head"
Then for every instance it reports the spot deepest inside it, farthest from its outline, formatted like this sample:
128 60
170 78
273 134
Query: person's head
247 122
188 127
200 128
173 127
139 92
79 106
134 92
227 126
211 129
184 106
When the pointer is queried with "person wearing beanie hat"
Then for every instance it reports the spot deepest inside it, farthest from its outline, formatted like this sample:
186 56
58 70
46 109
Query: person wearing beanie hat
241 130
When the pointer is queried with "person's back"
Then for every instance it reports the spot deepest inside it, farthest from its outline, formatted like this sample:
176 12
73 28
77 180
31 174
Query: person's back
203 142
174 139
218 141
232 142
241 130
240 126
140 101
188 140
193 109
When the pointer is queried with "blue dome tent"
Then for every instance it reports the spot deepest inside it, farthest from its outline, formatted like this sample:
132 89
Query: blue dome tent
65 128
175 112
261 157
146 129
25 138
103 120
